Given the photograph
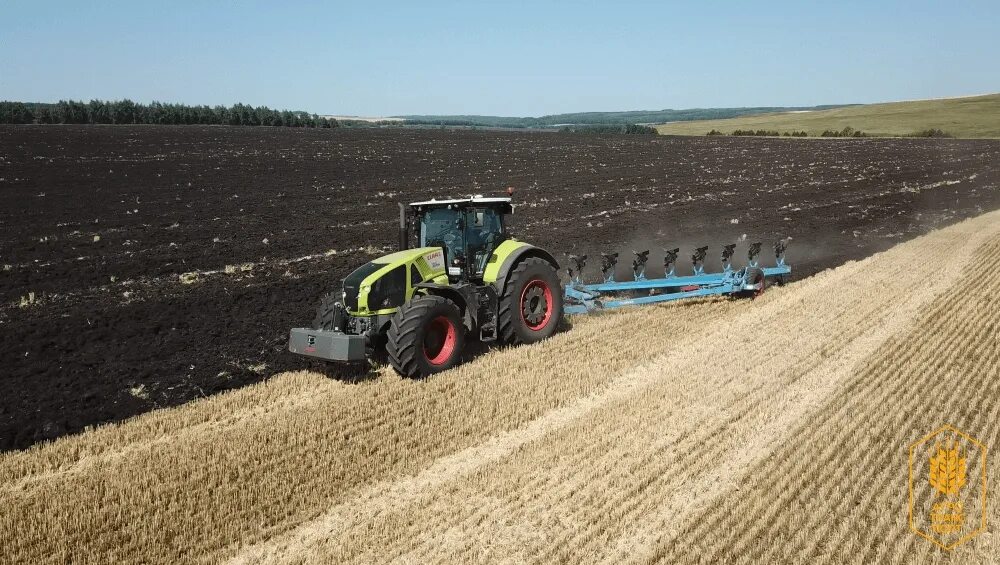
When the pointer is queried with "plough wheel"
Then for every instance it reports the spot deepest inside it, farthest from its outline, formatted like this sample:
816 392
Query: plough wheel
755 276
531 305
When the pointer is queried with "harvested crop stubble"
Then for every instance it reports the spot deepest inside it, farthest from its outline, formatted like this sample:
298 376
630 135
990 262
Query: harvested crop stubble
843 472
644 458
684 433
190 482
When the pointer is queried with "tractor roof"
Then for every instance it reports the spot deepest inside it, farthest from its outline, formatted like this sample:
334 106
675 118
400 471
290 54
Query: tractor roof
501 202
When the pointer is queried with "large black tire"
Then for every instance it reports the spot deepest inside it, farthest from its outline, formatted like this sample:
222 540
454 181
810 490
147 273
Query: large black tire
532 303
426 336
325 312
375 348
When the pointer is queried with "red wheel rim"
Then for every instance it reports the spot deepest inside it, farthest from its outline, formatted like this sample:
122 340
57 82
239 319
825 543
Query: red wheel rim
536 305
439 340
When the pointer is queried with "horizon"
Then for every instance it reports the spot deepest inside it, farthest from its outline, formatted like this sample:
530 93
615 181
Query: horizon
817 107
528 61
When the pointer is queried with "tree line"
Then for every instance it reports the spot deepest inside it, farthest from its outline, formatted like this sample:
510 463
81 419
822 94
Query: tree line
631 129
846 132
129 112
933 132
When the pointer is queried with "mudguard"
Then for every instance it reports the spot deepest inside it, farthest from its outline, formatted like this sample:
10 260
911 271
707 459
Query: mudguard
506 256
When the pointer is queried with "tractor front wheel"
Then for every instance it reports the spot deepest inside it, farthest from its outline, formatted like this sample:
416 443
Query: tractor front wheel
329 314
532 303
425 336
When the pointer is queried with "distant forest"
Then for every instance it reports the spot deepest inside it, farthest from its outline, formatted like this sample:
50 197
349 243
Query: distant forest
128 112
626 129
606 118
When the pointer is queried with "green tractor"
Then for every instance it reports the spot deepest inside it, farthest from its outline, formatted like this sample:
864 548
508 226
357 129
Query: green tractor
466 277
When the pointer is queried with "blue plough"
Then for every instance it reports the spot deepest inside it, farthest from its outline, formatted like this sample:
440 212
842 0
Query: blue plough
580 297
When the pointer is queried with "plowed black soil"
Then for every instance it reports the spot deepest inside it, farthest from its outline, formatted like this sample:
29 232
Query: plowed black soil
99 223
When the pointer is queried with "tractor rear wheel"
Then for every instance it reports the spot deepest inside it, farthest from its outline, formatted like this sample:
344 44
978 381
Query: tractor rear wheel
532 303
426 336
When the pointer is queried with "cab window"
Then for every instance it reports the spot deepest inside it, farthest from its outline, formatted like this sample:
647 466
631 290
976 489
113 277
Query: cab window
443 228
484 232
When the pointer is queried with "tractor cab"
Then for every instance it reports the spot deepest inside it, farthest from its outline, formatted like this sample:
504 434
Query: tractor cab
468 230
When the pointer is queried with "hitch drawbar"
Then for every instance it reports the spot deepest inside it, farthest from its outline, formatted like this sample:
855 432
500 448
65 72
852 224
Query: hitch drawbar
327 345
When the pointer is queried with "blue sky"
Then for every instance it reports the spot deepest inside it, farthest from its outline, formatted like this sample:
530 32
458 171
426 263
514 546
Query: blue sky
503 58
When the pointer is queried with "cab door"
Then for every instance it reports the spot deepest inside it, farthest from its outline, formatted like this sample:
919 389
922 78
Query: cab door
483 233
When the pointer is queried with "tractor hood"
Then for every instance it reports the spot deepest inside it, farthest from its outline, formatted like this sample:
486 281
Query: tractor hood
407 256
384 284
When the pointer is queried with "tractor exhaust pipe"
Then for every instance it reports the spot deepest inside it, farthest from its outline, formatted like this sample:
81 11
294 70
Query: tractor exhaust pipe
404 236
